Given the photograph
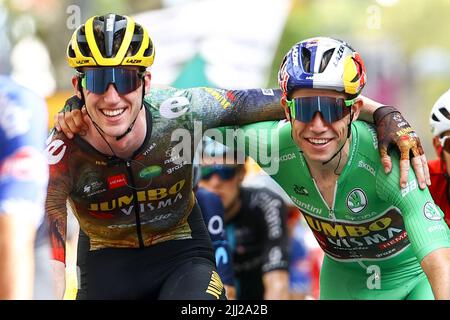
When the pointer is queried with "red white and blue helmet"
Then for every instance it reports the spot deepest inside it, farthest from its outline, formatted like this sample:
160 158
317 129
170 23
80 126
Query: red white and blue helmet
322 63
440 115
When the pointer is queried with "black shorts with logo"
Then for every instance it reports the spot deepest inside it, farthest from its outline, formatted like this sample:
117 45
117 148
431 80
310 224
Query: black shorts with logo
174 270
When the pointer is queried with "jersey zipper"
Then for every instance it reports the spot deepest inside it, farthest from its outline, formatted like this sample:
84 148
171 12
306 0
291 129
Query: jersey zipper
330 210
136 207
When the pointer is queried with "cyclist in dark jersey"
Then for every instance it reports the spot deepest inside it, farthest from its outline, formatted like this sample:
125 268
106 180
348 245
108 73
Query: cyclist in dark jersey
213 215
212 212
24 239
255 221
130 189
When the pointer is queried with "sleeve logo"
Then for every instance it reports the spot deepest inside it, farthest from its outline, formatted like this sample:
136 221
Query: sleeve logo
431 212
174 107
55 151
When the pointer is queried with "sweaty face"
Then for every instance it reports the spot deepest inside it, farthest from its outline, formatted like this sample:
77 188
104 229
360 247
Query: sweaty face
318 139
111 111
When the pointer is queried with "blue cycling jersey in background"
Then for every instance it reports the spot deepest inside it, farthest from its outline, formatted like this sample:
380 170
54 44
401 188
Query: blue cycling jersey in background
23 166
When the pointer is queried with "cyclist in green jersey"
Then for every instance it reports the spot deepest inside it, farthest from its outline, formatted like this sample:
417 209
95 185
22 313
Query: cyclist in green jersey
381 241
123 181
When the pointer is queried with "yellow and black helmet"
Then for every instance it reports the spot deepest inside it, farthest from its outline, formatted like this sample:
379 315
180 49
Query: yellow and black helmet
110 40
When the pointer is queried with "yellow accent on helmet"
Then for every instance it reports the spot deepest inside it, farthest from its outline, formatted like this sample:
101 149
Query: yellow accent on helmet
354 77
84 51
350 73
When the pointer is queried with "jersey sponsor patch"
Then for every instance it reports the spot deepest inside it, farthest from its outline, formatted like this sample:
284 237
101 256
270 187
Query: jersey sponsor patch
431 212
150 172
215 286
410 186
148 200
219 96
149 149
215 225
177 167
356 200
286 157
174 107
306 206
267 92
94 188
117 181
377 238
362 164
55 151
373 134
300 190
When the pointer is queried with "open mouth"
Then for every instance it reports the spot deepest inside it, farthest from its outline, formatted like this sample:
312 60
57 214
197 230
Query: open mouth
318 142
112 113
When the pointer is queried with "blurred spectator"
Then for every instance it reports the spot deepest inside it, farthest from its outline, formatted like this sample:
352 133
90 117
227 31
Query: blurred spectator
305 262
213 215
24 247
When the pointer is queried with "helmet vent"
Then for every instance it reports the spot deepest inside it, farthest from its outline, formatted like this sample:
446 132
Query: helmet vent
117 41
148 52
71 52
445 112
306 59
136 40
82 43
433 116
325 59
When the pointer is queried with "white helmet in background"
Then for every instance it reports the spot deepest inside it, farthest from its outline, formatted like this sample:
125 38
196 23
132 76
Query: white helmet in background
440 115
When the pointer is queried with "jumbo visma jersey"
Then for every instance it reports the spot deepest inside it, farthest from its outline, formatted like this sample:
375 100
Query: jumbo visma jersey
146 199
372 221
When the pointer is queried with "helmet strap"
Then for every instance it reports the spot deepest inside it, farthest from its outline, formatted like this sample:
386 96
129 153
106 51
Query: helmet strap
349 130
96 126
83 100
137 115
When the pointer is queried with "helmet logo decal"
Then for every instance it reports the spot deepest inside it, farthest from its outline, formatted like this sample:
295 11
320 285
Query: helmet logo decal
133 60
339 55
295 56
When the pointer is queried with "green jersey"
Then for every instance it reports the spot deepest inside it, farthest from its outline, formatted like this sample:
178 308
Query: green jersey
372 224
